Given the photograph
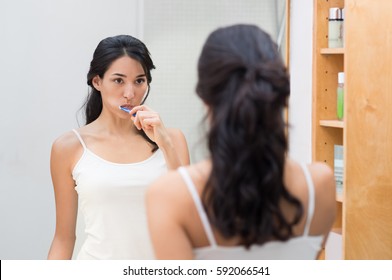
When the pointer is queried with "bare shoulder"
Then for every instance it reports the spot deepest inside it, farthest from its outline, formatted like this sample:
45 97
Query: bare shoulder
167 194
324 187
66 142
323 177
173 184
325 193
66 147
166 186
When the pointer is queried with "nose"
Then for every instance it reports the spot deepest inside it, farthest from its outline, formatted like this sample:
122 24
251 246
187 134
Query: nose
128 92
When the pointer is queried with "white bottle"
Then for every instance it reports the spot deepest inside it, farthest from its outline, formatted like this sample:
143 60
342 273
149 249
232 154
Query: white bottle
343 26
335 28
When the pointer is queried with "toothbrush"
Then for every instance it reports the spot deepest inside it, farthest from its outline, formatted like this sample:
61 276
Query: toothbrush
126 110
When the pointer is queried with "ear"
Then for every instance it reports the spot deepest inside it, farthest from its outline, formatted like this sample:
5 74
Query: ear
97 83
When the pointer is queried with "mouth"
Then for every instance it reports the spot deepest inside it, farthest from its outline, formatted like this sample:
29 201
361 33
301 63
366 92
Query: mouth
127 106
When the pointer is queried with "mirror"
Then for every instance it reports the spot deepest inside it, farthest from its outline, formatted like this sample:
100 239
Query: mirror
176 45
45 54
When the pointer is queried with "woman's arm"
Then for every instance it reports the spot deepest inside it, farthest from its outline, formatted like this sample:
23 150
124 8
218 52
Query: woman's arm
325 204
65 197
165 208
176 149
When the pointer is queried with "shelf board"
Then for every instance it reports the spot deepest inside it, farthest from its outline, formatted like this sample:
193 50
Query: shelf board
332 123
337 230
332 51
339 197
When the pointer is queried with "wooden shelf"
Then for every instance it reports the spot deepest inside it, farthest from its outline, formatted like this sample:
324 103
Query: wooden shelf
332 123
337 230
367 188
332 51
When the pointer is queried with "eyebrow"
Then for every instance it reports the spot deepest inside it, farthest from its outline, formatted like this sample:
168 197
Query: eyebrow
122 75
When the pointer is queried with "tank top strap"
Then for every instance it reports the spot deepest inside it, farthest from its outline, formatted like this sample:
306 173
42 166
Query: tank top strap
80 139
199 206
311 198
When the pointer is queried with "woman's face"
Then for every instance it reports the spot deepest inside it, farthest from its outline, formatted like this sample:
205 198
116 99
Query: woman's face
123 84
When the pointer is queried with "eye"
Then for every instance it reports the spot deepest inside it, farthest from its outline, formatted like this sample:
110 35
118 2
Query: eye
140 81
118 81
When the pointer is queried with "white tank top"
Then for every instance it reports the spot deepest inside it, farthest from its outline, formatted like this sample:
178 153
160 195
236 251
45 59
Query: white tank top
300 247
111 199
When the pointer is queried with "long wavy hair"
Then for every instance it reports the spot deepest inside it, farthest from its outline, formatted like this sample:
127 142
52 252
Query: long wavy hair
245 85
107 51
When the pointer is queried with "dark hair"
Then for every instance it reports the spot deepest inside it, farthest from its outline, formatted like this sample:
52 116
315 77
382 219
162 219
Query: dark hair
107 51
244 83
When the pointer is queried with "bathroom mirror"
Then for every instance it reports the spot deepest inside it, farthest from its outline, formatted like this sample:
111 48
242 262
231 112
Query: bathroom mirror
45 56
175 30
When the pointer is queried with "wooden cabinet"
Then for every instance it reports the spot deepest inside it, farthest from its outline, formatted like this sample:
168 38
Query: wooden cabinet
365 206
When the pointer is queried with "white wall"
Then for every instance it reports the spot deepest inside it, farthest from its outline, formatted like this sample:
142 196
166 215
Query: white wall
45 50
300 104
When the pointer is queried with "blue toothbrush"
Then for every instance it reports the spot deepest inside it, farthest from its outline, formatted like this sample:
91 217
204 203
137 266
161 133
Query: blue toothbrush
125 109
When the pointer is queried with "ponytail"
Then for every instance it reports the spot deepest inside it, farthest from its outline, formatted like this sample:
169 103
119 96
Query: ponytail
246 93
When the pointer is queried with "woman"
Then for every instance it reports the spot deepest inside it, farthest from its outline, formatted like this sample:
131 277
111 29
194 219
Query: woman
248 200
108 163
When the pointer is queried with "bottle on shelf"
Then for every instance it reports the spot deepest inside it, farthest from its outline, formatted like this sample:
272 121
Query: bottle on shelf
335 28
342 27
338 166
340 96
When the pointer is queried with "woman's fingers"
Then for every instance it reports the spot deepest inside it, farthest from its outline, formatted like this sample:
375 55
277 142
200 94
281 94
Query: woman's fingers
147 120
150 122
139 108
139 113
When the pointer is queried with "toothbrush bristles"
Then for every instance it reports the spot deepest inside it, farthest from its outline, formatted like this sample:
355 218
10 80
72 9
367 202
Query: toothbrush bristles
124 109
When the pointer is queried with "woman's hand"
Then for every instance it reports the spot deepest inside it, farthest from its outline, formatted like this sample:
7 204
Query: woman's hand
171 141
152 125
